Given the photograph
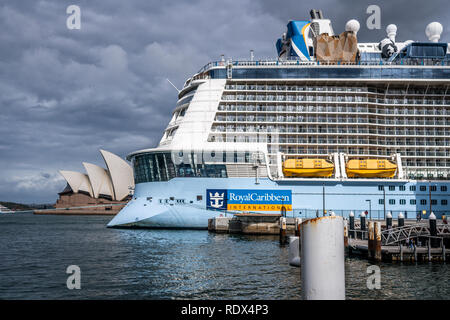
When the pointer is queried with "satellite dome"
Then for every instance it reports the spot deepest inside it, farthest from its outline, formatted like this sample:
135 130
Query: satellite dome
391 31
433 31
352 25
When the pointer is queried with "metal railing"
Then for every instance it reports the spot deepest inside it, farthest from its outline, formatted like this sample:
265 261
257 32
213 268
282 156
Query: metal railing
276 62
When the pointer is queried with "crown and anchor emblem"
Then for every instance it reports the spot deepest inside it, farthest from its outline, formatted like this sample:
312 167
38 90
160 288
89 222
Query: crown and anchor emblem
216 199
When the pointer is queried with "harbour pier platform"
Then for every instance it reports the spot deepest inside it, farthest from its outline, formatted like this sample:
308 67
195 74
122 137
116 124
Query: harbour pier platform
251 223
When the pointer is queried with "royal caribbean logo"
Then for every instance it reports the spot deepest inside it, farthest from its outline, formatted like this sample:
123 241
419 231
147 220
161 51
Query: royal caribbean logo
216 199
249 200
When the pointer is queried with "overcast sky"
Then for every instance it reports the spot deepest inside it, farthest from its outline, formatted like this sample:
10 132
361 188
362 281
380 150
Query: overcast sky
64 94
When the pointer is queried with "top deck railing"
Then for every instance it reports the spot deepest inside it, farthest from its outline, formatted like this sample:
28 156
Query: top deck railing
296 62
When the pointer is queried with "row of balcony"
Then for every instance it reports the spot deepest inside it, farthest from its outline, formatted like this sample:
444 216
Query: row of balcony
334 89
309 98
338 120
332 109
263 129
416 148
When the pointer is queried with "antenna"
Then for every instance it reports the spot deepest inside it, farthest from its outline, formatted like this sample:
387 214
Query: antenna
173 85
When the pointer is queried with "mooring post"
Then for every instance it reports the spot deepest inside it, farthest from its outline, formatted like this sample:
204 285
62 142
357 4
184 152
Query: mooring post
401 220
377 239
443 249
433 230
352 224
298 222
294 253
282 230
389 220
322 258
363 224
371 241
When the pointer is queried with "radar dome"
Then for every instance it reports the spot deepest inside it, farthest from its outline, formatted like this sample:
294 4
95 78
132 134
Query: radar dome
391 31
433 31
352 25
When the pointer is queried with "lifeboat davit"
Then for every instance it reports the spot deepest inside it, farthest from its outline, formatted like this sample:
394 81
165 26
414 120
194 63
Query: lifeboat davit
370 168
308 168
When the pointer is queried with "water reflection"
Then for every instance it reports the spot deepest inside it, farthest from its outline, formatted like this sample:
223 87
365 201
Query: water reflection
174 264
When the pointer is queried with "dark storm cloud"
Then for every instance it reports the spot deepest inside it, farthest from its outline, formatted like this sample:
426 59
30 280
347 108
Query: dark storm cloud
410 16
66 93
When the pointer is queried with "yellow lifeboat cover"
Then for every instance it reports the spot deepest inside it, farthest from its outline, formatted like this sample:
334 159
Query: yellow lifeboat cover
370 168
308 168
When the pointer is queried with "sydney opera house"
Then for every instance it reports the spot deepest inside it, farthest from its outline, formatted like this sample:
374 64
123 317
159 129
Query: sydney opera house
99 190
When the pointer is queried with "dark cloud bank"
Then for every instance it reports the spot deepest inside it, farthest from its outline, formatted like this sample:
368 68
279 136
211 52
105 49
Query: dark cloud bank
66 93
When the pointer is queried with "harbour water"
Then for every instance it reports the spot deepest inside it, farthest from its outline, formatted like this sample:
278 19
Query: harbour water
174 264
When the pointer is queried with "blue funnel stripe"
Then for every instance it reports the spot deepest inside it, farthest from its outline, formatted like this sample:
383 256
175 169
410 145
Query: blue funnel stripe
295 32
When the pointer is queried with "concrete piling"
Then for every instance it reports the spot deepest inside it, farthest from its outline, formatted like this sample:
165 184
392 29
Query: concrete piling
401 220
389 220
294 252
352 224
282 230
322 258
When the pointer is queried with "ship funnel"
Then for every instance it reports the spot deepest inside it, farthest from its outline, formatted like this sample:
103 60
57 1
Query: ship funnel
433 31
316 14
391 31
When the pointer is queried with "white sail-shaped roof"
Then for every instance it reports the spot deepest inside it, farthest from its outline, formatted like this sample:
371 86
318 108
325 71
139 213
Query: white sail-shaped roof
121 174
100 181
77 181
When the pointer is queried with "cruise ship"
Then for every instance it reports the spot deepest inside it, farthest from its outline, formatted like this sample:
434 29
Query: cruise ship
329 124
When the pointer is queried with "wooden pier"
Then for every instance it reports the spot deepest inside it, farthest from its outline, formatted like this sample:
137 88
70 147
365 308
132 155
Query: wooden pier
424 241
400 252
376 240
